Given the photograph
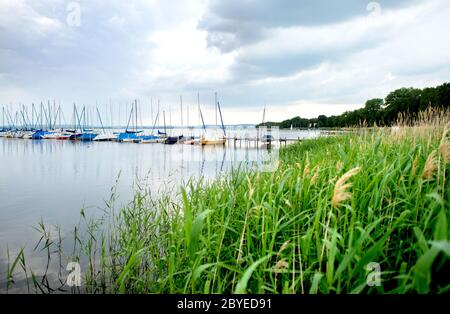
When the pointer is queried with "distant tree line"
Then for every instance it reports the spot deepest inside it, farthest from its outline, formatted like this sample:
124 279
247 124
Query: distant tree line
408 101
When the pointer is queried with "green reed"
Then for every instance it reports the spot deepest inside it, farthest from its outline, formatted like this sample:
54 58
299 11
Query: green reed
333 206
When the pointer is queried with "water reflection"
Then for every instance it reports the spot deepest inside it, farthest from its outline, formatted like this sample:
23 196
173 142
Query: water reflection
53 180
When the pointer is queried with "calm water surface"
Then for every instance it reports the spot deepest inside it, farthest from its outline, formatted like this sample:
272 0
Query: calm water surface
53 180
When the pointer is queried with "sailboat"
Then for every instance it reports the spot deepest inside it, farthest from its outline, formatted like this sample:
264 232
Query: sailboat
130 136
104 136
150 139
191 140
86 135
212 139
170 140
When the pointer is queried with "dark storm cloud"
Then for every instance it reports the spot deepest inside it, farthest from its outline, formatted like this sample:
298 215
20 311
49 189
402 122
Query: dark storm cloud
234 23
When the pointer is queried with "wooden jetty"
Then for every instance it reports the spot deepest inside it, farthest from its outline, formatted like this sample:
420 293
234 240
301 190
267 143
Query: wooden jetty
255 141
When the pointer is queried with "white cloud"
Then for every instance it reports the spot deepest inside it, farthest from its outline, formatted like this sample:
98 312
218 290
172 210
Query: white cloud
321 64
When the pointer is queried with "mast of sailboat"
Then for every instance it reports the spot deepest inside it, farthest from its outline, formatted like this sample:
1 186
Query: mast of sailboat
140 114
187 115
136 116
264 115
154 124
129 118
74 118
151 110
60 113
9 118
84 118
164 117
158 113
55 112
49 118
111 124
56 116
170 117
221 119
181 108
45 115
215 105
263 120
200 111
34 115
100 119
77 118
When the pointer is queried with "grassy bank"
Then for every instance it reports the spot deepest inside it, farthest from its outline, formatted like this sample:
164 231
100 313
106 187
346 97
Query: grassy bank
334 207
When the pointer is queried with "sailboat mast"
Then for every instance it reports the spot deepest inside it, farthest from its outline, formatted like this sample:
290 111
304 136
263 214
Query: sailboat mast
130 118
170 116
136 116
200 112
158 112
198 105
111 122
151 109
181 108
140 115
221 119
100 119
164 117
215 105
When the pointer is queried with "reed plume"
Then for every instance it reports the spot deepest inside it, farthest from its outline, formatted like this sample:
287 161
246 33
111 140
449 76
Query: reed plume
444 148
430 166
306 169
315 175
341 193
281 265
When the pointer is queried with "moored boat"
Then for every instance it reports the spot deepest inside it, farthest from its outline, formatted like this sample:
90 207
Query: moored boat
149 139
191 140
105 137
170 140
212 140
84 137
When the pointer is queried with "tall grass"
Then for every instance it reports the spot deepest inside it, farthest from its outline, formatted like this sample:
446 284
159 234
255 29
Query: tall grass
334 206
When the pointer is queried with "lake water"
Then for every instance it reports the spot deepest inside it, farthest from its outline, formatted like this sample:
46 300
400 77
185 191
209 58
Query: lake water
53 180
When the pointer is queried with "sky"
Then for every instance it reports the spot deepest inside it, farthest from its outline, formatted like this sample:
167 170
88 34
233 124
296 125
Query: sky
297 58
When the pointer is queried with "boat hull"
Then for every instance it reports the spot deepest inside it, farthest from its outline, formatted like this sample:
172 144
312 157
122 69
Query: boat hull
105 138
204 141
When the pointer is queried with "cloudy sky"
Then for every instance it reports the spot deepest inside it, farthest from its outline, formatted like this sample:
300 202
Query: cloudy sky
302 57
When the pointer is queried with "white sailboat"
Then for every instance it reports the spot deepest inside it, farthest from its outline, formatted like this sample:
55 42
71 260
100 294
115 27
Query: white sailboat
208 138
104 136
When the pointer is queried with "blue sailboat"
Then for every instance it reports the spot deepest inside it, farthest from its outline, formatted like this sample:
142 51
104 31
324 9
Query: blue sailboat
130 135
86 135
